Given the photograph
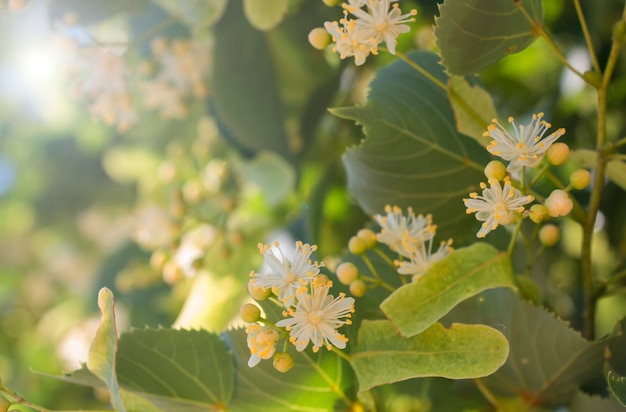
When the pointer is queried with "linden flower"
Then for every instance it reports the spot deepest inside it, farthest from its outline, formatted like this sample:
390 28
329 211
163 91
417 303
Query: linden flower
261 342
286 274
527 147
404 234
497 205
423 258
380 23
317 316
348 42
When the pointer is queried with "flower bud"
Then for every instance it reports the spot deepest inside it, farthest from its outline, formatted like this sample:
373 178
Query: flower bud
368 236
283 362
357 246
321 280
496 170
549 235
357 288
559 203
580 179
593 78
319 38
347 272
538 213
331 3
257 292
250 313
558 153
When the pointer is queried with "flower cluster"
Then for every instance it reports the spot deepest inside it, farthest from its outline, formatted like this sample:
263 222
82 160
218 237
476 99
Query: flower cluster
375 22
312 315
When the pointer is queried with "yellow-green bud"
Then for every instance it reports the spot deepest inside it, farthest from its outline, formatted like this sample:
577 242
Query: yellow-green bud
321 280
593 78
283 362
549 235
357 246
331 3
538 213
257 292
319 38
357 288
559 203
250 313
495 169
368 236
4 404
580 179
558 154
347 272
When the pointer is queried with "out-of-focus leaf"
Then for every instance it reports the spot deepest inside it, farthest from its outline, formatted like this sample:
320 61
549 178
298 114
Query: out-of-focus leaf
617 385
473 108
474 34
176 370
94 11
465 273
266 14
273 175
615 169
308 386
581 402
101 360
245 91
548 360
197 14
459 352
413 155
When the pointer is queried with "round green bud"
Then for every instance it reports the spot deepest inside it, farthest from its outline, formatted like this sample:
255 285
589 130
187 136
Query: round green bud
257 292
580 179
319 38
356 245
549 235
593 78
495 169
347 272
558 154
368 236
559 203
357 288
538 213
250 313
331 3
283 362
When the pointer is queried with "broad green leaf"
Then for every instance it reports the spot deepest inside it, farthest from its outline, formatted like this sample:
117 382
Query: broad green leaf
412 154
273 175
308 386
473 108
615 169
459 352
198 14
617 385
101 360
176 370
245 90
465 273
266 14
581 402
548 360
474 34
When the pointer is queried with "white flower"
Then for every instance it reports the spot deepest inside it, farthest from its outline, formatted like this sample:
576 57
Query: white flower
316 317
404 234
527 147
380 23
497 205
285 275
422 259
348 42
261 342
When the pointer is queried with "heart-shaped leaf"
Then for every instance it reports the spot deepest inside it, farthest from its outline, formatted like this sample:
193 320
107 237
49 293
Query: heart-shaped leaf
473 108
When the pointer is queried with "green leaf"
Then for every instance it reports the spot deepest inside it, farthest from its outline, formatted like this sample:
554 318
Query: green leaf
413 155
266 14
617 385
198 14
474 34
245 90
615 169
465 273
176 370
308 386
273 175
460 352
548 360
101 360
586 403
473 108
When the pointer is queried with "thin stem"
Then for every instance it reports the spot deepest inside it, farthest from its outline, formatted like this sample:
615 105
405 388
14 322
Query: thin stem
539 174
423 71
586 33
614 145
341 354
372 269
384 256
617 156
516 231
487 393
